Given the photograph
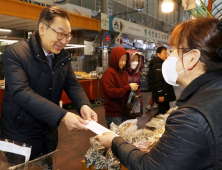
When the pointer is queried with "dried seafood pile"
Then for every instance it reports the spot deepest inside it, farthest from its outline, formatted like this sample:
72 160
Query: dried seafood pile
103 158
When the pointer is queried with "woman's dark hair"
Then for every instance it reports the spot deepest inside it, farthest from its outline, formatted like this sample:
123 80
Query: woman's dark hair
202 34
48 14
160 49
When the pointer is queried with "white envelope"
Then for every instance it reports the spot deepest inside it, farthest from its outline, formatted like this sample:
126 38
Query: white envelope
97 128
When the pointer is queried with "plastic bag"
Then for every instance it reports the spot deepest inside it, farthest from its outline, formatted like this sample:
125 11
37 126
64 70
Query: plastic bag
132 108
96 152
144 145
101 157
112 161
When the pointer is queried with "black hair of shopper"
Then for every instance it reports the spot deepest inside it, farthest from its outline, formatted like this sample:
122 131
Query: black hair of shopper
49 13
160 49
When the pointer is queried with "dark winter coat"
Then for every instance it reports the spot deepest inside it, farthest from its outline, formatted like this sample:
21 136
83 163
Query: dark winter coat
115 85
33 91
192 137
159 86
134 75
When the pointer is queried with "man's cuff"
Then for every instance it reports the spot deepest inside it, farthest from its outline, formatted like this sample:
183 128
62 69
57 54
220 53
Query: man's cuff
117 141
61 116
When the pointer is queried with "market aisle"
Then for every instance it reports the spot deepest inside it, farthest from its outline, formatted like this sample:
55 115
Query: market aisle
73 145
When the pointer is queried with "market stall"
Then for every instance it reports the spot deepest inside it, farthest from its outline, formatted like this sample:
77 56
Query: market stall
92 88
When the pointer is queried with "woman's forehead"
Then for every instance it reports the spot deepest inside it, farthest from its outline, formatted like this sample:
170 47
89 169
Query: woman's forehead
124 56
135 56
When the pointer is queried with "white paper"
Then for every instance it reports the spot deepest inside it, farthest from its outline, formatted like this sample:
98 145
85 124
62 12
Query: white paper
13 148
97 128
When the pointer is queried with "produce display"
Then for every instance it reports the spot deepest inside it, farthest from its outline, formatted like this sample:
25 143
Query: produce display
91 75
103 158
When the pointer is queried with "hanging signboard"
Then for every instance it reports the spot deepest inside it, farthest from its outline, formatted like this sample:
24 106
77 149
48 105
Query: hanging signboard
117 25
104 21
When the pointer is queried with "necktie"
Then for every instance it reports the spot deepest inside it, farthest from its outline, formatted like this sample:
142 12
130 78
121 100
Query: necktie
49 58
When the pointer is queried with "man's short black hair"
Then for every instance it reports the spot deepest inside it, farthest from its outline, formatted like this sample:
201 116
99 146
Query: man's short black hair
160 49
49 13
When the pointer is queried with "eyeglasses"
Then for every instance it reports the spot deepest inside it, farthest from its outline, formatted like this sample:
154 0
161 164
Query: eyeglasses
187 50
60 35
184 50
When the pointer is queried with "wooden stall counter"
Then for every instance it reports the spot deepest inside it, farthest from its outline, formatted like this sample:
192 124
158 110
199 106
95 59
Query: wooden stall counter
92 88
83 166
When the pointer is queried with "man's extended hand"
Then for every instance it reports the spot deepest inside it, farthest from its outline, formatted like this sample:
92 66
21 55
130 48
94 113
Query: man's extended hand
88 114
74 122
161 99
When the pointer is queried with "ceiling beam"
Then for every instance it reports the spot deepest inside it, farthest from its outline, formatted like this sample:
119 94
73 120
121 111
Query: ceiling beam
31 11
22 25
19 22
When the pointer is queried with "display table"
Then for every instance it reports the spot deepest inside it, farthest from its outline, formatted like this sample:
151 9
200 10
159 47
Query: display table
83 166
92 88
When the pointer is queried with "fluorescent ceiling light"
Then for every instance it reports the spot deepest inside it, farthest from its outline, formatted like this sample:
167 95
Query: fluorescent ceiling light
76 45
70 44
144 46
70 47
167 6
5 30
10 41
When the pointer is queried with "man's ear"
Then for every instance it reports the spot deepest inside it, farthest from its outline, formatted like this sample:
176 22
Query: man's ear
193 59
158 54
41 29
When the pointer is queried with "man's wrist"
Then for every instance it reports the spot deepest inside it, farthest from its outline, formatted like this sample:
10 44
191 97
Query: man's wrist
82 106
63 119
85 105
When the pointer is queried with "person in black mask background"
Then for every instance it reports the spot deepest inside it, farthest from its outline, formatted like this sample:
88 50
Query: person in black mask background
162 92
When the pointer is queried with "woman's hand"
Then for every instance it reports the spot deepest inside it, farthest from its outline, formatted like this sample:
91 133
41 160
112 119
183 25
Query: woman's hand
106 139
134 86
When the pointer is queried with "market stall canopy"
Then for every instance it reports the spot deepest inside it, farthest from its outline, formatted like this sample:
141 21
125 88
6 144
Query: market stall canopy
31 12
17 23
